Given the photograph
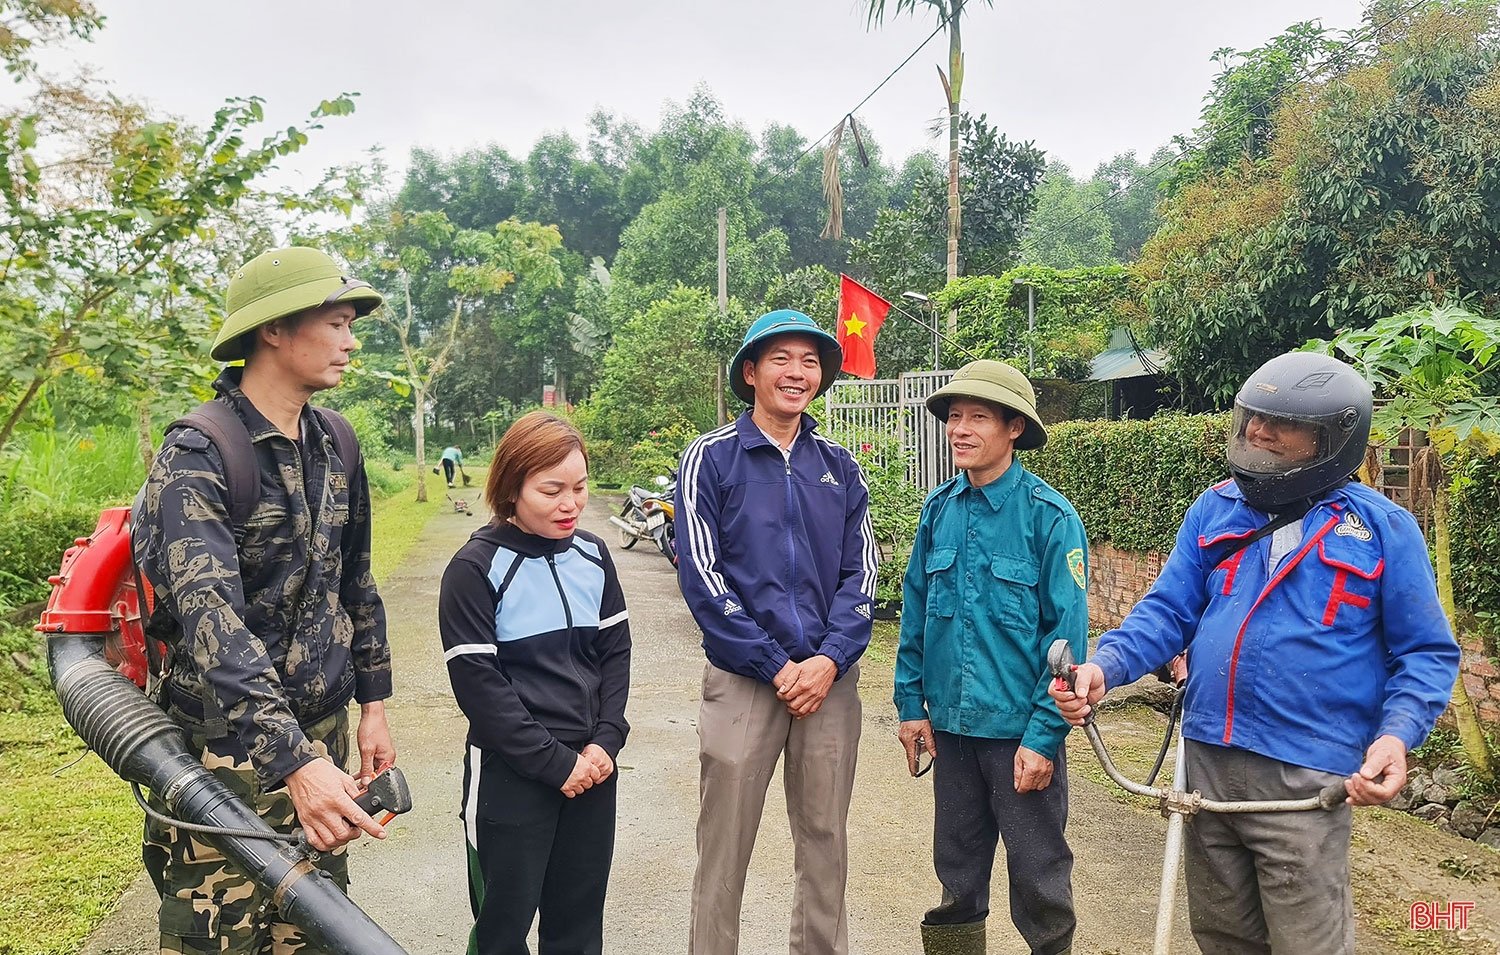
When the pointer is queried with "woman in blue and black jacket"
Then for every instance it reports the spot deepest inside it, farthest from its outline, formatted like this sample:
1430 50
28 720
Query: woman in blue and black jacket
537 643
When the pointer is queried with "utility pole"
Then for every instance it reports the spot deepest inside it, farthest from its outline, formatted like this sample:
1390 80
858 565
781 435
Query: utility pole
723 312
1030 323
1030 329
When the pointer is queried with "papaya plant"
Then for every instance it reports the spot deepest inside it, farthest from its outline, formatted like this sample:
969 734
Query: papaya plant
1436 369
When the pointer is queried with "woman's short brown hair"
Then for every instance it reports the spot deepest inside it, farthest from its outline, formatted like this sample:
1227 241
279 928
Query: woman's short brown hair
536 441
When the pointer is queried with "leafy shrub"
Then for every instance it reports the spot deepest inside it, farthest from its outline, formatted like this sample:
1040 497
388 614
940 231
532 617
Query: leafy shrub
370 425
658 452
1475 541
615 463
1132 481
895 505
32 541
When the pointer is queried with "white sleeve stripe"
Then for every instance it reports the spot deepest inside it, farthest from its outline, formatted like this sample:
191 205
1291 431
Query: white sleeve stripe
701 546
620 617
464 649
869 551
700 550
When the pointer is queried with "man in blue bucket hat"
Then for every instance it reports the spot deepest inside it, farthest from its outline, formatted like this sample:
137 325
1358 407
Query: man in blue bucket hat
778 568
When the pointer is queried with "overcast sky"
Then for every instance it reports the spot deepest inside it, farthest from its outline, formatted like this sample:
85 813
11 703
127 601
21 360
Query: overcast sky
1084 80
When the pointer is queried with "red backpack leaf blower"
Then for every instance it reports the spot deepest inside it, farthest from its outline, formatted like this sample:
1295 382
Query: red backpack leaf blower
101 660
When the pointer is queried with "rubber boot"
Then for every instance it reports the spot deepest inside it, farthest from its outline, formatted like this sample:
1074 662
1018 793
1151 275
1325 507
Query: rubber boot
965 938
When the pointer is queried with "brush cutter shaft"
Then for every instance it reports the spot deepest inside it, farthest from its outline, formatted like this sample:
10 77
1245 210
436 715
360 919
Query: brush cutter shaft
1176 800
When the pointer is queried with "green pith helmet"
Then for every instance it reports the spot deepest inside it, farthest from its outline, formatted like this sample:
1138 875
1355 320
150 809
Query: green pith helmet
284 282
998 383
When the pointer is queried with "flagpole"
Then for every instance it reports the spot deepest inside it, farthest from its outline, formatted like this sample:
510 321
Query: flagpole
934 329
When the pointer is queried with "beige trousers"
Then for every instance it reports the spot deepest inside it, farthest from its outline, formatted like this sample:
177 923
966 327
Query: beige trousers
742 731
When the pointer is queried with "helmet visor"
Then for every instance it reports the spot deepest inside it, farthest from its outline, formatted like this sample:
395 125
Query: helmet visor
1269 445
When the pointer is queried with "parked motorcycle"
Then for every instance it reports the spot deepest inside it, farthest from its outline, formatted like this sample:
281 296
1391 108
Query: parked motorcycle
647 515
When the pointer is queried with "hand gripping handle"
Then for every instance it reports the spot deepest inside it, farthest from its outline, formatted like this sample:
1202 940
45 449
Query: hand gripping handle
1060 661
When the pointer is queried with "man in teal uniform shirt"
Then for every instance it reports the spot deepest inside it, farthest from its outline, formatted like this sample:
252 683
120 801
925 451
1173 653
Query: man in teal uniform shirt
998 571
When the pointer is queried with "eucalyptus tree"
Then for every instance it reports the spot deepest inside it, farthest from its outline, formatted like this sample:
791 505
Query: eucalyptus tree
472 267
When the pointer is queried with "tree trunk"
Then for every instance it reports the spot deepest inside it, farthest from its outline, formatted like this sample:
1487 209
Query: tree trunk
1470 731
419 428
143 430
955 84
22 404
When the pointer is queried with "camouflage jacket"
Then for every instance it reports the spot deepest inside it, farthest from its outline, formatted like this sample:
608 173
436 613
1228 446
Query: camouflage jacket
280 620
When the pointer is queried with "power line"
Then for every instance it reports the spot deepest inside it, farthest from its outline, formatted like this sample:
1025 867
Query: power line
1334 59
942 22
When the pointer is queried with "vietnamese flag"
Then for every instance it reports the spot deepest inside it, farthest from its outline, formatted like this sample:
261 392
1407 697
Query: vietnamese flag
861 313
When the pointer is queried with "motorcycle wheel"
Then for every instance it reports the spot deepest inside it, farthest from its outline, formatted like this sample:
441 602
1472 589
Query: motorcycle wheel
634 516
669 545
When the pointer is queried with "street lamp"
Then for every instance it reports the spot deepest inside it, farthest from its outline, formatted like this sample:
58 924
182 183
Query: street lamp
922 300
1030 322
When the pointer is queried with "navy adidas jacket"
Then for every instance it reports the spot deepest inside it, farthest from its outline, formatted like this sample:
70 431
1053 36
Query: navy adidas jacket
537 641
777 557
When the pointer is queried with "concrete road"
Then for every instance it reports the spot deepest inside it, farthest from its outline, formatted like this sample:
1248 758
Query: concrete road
414 883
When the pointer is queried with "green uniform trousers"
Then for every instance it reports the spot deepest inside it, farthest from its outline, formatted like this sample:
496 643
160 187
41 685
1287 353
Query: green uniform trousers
207 905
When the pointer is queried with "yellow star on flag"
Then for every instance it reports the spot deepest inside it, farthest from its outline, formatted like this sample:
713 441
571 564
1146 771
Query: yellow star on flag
853 326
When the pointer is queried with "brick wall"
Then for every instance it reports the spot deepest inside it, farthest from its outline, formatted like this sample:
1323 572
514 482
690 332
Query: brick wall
1118 578
1481 680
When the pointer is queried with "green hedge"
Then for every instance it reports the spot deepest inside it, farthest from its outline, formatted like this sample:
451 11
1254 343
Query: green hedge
32 541
1131 481
1476 542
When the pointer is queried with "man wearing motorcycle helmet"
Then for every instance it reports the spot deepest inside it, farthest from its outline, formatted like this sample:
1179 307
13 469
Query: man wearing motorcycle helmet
270 612
1317 651
778 567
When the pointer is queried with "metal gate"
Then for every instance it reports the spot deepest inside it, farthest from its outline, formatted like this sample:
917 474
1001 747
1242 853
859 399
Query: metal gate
895 407
922 438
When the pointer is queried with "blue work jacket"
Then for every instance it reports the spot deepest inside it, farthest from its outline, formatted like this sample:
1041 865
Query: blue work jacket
777 556
1344 643
996 574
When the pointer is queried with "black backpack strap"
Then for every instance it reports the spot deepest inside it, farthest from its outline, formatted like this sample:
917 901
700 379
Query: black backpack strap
1294 512
345 444
227 431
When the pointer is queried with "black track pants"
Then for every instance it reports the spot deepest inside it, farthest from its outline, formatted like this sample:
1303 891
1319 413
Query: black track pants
529 848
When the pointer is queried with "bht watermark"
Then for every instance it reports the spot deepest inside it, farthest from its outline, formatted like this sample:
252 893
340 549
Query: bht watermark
1427 916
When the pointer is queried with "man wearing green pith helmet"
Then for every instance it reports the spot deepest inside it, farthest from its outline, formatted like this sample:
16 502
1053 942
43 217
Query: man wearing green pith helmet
998 570
272 618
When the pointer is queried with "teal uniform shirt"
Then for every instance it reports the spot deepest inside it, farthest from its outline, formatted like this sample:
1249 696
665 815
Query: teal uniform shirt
996 574
454 455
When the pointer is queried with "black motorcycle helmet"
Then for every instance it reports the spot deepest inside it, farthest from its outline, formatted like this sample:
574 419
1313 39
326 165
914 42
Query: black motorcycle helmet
1301 424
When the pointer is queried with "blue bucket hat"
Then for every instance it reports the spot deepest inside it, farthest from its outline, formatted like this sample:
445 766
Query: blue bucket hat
783 322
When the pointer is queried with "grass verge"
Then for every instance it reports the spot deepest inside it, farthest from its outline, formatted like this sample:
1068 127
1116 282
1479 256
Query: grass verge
884 637
399 519
69 828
